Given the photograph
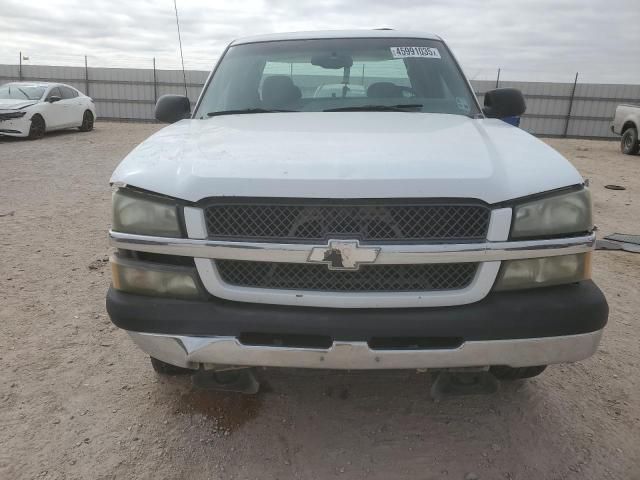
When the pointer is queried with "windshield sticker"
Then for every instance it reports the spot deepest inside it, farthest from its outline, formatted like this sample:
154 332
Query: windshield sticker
415 52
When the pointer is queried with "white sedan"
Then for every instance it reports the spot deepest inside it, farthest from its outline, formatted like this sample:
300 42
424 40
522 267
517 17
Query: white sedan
30 109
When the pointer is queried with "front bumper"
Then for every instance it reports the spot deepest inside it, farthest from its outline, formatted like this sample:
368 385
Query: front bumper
190 352
17 127
520 328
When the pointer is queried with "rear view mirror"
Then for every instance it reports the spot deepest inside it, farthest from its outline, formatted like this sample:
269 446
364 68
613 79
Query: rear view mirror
332 61
53 99
171 108
504 102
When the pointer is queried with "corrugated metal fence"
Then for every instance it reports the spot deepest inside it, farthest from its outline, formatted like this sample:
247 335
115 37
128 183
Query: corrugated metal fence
567 109
119 93
553 109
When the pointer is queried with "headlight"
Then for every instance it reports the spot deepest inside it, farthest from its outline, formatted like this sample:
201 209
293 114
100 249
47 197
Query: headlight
10 115
568 213
544 272
145 278
144 214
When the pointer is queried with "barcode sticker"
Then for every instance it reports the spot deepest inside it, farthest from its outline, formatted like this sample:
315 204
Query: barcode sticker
415 52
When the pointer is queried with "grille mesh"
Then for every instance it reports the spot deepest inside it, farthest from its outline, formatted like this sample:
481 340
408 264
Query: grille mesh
369 278
367 222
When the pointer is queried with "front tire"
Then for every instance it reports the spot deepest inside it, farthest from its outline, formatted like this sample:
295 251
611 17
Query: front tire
629 143
509 373
37 128
87 122
164 368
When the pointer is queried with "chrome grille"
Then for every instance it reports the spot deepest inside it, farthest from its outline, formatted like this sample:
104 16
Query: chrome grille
368 278
366 220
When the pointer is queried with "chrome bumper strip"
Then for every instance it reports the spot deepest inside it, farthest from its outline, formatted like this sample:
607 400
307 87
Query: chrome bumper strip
389 254
189 352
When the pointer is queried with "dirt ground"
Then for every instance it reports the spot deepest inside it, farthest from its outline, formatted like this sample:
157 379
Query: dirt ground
79 401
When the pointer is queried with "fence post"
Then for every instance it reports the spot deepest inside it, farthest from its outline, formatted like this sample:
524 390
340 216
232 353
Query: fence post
155 82
20 68
498 79
86 77
573 93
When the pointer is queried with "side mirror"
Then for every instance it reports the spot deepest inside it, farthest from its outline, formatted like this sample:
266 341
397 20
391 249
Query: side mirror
54 99
504 102
171 108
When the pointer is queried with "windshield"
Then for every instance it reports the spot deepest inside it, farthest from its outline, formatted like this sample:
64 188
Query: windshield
21 92
379 74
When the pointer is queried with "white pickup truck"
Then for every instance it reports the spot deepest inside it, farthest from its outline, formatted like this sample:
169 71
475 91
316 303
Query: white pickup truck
626 123
404 228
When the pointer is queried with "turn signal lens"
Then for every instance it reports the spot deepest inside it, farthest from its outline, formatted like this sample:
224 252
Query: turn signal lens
543 272
145 278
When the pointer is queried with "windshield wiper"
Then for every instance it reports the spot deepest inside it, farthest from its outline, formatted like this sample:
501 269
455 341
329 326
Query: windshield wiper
376 108
245 111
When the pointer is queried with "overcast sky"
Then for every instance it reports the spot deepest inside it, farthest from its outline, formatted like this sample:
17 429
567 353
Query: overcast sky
536 39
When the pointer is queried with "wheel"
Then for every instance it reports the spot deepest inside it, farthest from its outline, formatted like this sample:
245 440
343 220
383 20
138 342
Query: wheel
37 128
509 373
87 122
164 368
629 142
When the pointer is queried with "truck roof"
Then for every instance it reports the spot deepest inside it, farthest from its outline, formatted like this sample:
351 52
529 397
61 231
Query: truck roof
376 33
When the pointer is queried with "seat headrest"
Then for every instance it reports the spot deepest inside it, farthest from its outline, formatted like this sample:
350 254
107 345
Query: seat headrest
278 91
384 90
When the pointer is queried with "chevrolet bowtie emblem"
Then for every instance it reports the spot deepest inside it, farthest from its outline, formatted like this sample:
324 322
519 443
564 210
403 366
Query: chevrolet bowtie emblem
343 255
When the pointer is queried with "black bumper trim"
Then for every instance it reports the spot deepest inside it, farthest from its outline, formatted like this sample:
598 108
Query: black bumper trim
545 312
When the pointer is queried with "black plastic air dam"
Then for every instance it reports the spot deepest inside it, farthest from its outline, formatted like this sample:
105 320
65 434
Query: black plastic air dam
544 312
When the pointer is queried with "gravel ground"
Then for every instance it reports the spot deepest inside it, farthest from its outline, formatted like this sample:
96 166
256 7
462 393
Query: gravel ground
78 400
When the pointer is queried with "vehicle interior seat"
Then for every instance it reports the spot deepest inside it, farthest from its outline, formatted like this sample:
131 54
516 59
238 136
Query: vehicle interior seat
278 91
384 90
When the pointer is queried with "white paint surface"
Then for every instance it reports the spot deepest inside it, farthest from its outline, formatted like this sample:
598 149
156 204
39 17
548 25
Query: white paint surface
345 155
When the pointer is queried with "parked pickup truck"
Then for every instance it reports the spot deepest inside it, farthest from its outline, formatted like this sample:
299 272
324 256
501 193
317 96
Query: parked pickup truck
626 123
407 228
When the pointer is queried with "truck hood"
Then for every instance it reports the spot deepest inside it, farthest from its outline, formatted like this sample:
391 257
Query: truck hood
12 104
345 155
